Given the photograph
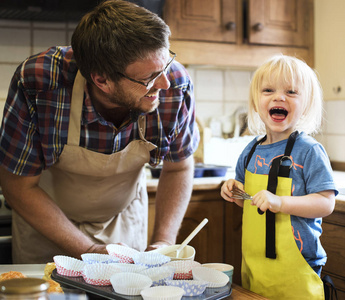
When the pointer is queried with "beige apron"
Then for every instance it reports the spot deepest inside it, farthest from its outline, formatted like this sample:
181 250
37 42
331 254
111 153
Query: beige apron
103 195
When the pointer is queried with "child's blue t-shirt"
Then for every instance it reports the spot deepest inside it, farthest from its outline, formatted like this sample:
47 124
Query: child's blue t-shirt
311 173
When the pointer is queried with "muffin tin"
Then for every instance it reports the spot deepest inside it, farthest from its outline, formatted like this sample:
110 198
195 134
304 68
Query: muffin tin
107 292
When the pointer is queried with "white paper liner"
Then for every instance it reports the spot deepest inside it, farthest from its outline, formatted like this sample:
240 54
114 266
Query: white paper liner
68 266
214 277
130 268
99 274
151 259
191 287
130 284
183 268
93 258
160 274
123 253
162 293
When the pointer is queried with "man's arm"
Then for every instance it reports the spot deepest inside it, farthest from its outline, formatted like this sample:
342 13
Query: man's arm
172 198
36 207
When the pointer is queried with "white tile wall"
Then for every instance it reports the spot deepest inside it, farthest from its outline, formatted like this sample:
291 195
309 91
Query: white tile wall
218 91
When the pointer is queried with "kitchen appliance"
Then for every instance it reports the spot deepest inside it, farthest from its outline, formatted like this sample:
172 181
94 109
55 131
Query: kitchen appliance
5 231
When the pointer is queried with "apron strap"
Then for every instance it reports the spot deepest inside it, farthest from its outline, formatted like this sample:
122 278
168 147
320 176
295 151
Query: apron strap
73 137
253 149
277 169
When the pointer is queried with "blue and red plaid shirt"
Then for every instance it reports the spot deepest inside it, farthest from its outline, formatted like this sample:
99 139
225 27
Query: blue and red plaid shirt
36 117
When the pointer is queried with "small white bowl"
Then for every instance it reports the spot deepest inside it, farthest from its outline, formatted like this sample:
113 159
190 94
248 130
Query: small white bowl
162 293
130 284
187 253
214 277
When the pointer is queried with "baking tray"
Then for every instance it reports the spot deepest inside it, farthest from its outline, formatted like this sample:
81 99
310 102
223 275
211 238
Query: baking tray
107 292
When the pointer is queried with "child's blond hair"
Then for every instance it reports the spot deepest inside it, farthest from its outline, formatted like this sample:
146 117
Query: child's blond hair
295 72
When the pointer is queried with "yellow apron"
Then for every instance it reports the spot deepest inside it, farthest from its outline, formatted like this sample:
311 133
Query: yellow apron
104 195
288 276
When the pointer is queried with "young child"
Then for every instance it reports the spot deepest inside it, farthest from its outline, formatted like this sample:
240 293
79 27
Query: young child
289 177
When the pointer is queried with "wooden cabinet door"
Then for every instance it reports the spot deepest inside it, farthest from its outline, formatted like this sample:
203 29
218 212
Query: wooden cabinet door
209 242
203 20
280 22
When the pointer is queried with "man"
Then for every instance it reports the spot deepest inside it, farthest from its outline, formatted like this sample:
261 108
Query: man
79 124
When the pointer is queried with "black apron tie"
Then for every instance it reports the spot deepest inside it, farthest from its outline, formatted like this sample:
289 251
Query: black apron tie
278 168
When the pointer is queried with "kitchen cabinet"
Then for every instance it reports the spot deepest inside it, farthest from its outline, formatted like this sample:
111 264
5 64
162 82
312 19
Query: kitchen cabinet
333 241
220 239
330 47
240 32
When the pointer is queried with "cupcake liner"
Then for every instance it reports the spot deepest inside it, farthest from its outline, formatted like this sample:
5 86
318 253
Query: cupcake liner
130 268
130 284
159 274
191 287
123 253
214 277
93 258
99 274
151 259
162 293
68 266
183 268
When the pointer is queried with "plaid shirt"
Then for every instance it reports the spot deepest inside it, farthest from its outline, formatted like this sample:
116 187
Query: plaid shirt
36 117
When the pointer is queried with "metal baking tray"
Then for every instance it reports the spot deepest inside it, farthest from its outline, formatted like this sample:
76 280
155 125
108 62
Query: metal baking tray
107 292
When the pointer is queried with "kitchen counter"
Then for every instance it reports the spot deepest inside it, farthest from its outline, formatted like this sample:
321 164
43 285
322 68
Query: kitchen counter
215 183
37 271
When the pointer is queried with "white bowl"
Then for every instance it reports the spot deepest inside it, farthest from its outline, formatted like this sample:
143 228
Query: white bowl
187 253
130 284
162 293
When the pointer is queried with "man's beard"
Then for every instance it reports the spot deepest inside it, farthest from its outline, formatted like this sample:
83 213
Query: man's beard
123 99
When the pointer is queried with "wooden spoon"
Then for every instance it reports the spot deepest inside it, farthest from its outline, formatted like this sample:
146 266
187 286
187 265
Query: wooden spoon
189 238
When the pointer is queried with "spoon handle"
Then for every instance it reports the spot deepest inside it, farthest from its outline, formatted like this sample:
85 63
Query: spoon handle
193 234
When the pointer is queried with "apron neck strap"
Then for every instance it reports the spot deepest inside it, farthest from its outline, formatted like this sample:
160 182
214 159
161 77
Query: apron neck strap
277 169
253 149
77 99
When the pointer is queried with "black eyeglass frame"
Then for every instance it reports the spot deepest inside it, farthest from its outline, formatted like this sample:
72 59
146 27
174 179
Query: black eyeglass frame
153 79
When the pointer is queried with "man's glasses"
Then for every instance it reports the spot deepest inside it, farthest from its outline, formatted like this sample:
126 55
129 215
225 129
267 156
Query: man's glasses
150 83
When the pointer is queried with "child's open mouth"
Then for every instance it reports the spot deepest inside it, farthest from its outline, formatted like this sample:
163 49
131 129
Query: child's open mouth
278 113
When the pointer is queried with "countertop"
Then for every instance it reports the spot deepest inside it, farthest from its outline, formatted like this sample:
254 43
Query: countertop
215 183
37 271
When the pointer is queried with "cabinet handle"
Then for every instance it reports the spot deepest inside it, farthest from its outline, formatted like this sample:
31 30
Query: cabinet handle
258 27
230 26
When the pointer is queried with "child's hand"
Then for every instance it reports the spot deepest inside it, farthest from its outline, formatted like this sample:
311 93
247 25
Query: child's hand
265 200
226 189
